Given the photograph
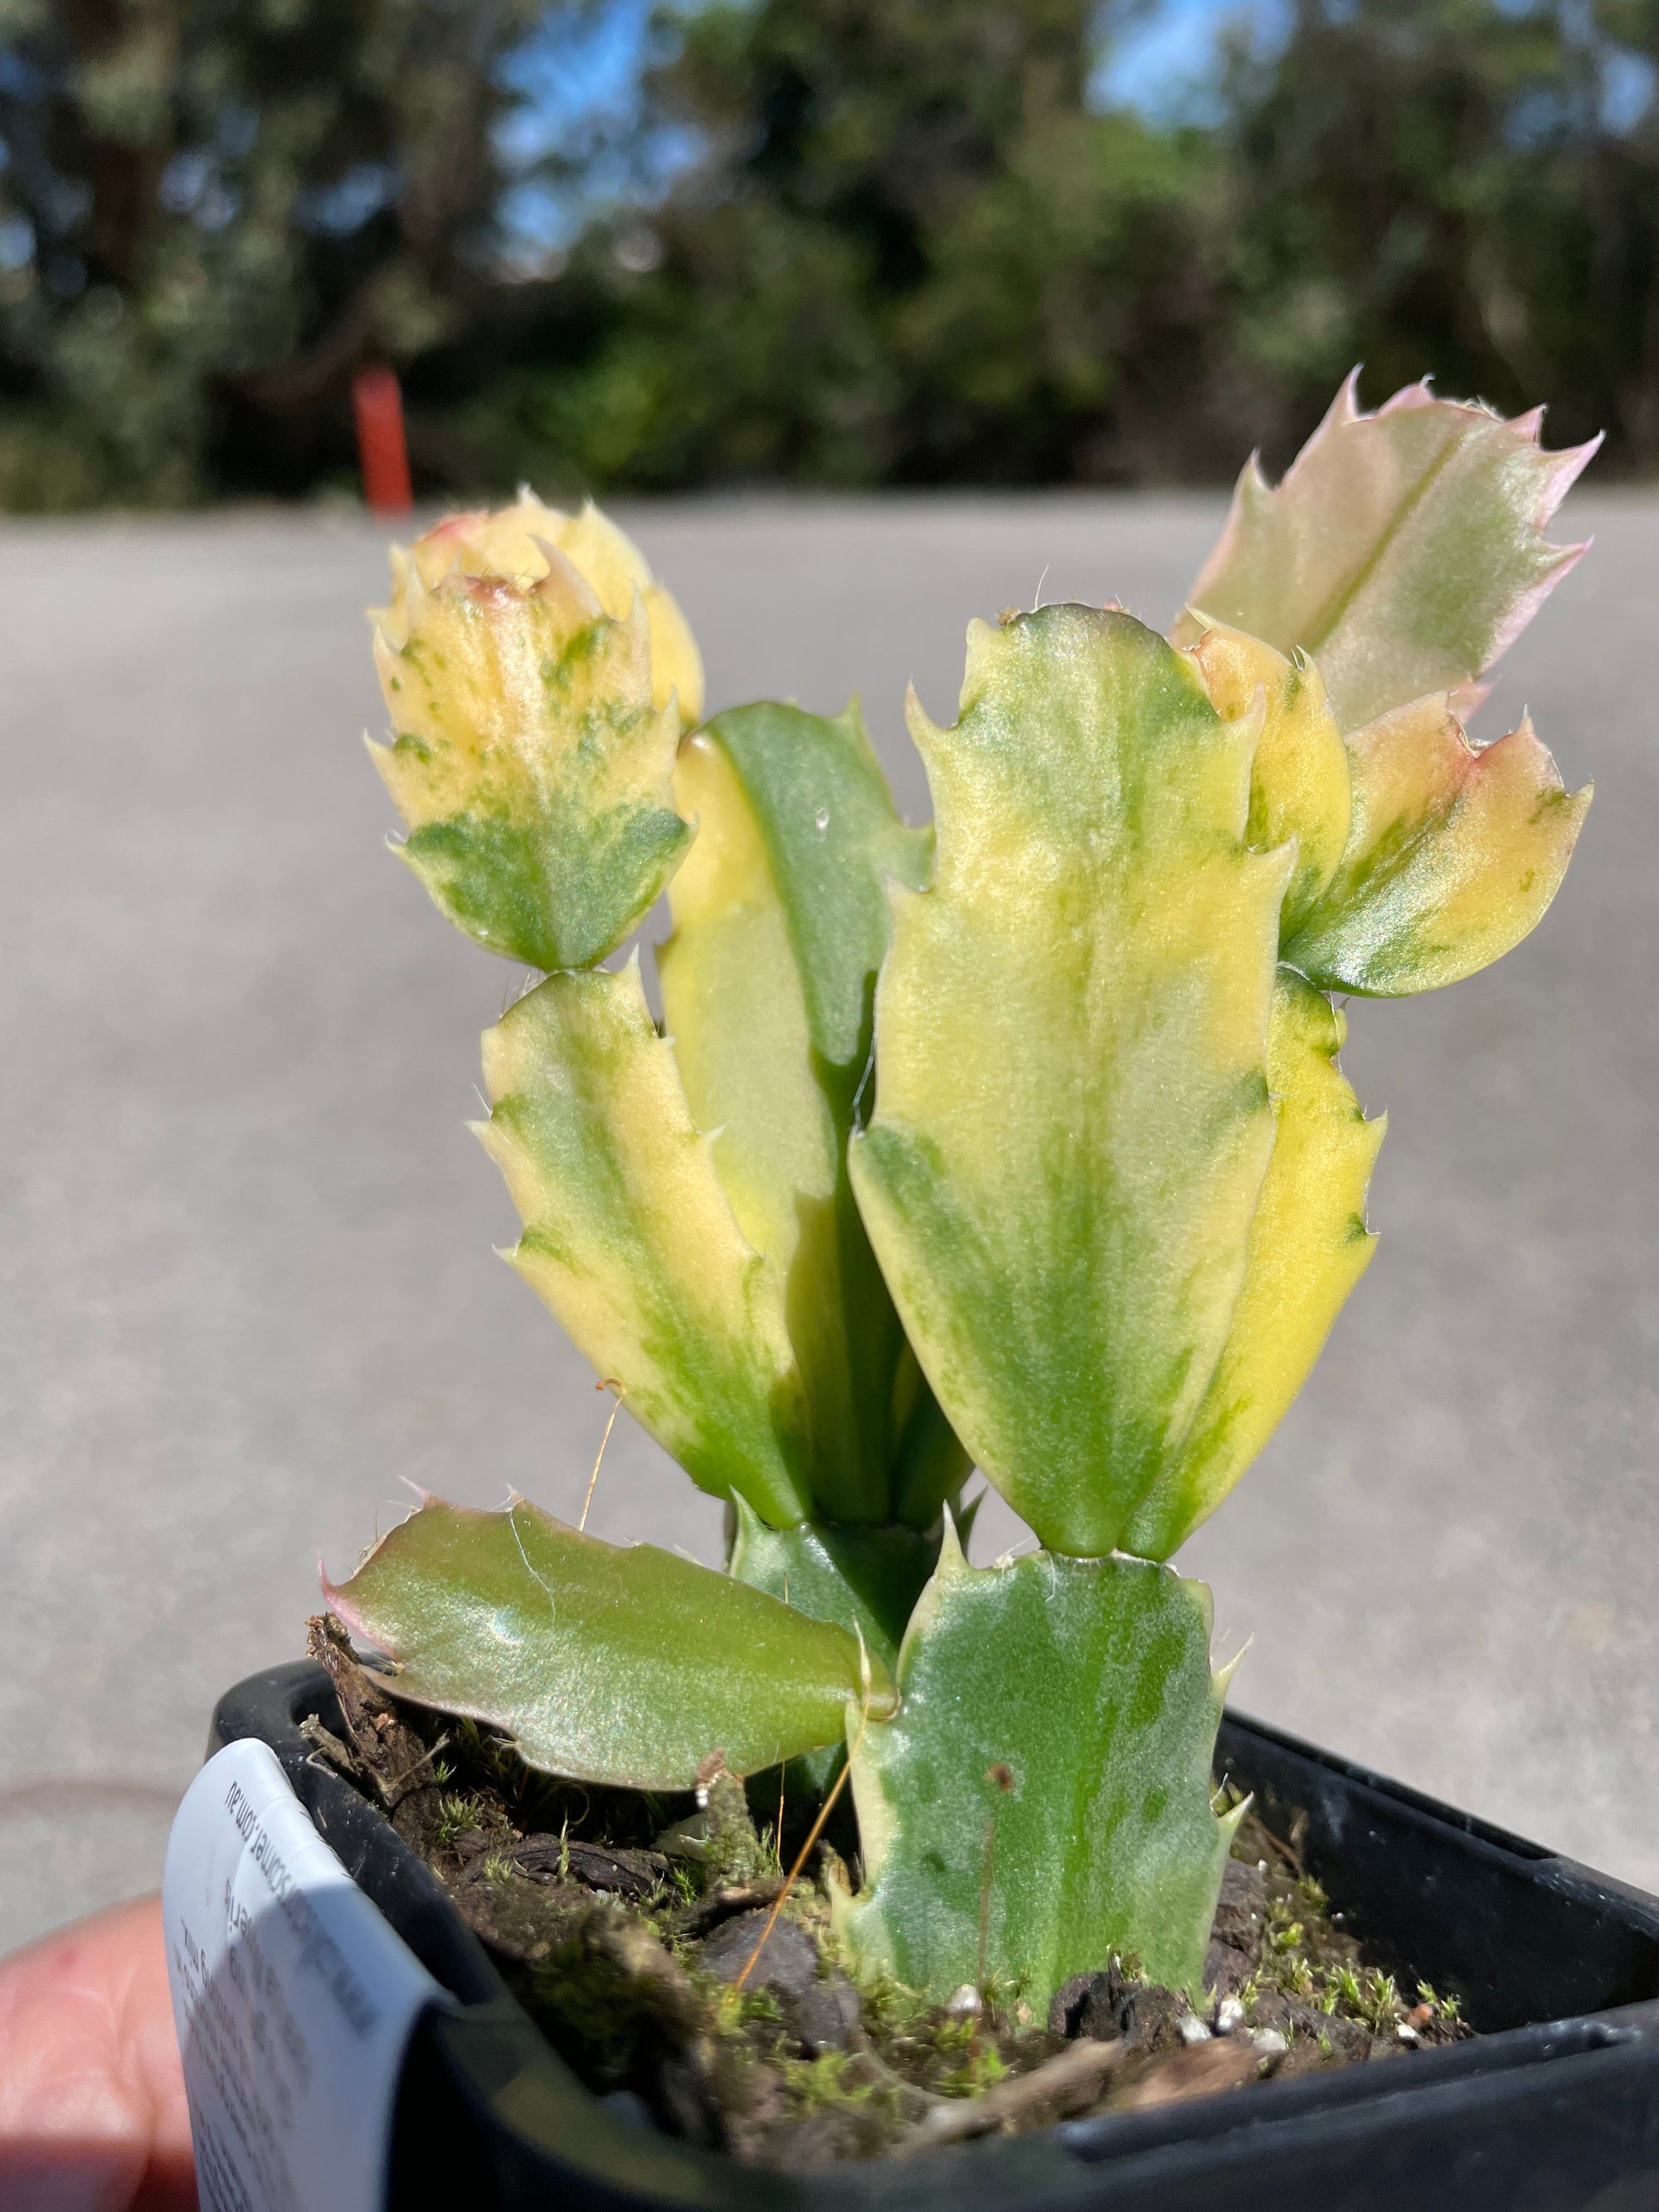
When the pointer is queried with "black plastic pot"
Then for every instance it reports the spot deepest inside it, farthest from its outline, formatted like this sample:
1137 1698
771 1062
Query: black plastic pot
1554 2109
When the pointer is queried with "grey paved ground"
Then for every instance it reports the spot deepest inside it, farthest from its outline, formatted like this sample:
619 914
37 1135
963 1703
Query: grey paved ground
246 1266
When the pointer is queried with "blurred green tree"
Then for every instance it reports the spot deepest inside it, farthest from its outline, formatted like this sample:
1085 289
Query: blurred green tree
212 211
1465 186
912 252
835 241
908 253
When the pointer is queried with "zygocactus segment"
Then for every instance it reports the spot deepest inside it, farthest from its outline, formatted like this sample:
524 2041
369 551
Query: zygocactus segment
1301 791
589 1677
521 542
631 1240
1071 1118
781 921
536 710
1403 551
1042 1798
1110 1193
1453 854
1309 1246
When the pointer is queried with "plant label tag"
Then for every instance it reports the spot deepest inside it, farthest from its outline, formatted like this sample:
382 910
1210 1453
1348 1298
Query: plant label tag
294 2000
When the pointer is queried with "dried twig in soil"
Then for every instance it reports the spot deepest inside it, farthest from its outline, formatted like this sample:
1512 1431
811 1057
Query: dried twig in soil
1225 2062
1062 2084
813 1833
726 1903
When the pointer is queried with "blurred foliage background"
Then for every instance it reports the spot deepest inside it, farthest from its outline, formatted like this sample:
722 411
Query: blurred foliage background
847 242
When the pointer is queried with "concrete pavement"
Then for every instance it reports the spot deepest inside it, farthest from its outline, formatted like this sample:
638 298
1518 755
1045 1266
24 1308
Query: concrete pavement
245 1268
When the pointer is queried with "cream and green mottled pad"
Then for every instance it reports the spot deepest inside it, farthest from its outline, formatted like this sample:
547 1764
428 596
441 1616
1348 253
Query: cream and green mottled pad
1403 551
630 1238
1072 1119
1453 856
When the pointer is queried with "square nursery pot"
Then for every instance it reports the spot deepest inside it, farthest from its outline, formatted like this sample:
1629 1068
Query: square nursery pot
1554 2108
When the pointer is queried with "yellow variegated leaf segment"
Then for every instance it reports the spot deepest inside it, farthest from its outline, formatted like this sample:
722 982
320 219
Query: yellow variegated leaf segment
1072 1117
1299 778
515 542
1404 550
1309 1247
731 1006
780 919
1452 856
631 1239
531 757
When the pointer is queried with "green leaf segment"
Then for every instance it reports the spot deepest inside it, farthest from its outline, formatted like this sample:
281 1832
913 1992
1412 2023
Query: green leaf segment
1059 1713
629 1667
1111 1193
781 921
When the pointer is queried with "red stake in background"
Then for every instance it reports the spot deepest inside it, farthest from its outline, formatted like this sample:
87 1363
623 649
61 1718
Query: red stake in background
382 449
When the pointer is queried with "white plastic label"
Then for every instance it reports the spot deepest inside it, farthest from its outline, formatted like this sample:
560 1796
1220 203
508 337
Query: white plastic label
294 1999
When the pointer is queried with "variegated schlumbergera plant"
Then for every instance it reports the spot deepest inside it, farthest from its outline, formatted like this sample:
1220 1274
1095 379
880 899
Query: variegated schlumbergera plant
1017 1143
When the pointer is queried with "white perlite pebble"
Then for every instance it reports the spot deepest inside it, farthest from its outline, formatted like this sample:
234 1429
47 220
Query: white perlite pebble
964 2003
1192 2029
1229 2014
1270 2042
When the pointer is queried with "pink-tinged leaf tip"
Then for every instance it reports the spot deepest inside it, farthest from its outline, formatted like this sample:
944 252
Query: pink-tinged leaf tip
328 1586
1421 394
1466 700
1361 557
1562 471
341 1607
